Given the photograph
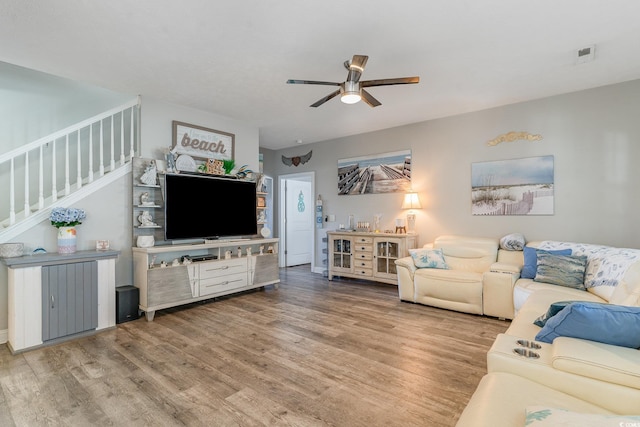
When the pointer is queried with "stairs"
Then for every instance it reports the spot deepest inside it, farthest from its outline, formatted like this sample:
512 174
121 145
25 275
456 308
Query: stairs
60 169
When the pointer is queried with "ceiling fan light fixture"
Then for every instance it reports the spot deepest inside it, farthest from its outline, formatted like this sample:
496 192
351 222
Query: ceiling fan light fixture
353 90
350 93
350 98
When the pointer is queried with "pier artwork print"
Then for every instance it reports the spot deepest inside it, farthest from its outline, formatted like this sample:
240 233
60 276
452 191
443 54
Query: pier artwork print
513 187
379 173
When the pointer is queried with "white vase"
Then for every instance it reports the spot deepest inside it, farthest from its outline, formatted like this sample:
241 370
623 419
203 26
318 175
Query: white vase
145 241
66 240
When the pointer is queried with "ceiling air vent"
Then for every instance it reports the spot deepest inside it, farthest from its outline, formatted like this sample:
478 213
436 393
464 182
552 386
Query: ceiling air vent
585 54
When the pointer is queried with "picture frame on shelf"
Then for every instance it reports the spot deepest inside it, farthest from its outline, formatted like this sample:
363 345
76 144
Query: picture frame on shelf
102 245
201 142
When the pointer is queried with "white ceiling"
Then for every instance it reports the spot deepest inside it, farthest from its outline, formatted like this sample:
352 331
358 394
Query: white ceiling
234 57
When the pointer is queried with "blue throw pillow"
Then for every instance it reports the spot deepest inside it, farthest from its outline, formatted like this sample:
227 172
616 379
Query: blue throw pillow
554 309
530 266
605 323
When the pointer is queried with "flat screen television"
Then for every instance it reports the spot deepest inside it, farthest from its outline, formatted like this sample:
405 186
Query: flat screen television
207 207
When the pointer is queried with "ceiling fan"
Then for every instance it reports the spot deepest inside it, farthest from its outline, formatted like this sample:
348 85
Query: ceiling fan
352 89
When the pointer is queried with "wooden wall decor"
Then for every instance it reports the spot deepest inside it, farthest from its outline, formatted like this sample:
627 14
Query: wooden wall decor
201 142
514 136
297 160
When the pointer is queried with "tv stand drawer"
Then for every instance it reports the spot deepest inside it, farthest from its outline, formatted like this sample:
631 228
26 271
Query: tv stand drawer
209 269
222 283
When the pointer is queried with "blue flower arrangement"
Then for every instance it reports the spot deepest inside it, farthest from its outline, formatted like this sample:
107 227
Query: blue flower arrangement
66 217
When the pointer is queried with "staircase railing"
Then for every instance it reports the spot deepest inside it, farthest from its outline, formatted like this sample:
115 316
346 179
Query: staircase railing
58 169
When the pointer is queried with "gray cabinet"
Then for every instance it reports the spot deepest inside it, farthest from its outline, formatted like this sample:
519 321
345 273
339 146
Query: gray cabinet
84 296
69 299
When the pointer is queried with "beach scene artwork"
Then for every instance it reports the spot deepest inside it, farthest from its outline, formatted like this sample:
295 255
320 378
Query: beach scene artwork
380 173
513 187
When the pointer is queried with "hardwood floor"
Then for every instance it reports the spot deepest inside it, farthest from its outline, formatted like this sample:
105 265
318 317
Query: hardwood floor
311 353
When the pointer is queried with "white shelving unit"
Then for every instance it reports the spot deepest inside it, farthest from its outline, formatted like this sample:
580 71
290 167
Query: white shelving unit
154 206
264 205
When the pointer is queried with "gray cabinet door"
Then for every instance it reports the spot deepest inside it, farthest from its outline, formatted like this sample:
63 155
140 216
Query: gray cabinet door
69 299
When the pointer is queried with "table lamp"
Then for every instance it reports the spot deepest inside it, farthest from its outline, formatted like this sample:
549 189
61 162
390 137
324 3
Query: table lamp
410 202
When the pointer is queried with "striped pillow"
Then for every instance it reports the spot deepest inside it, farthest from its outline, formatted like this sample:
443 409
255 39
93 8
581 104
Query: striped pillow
562 270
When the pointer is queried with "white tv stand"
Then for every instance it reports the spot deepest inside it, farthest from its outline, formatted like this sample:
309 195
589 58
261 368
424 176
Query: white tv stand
209 241
170 286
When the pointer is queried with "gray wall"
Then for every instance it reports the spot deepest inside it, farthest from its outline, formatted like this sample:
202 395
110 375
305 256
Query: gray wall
593 136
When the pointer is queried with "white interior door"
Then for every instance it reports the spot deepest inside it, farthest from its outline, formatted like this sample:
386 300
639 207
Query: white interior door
300 211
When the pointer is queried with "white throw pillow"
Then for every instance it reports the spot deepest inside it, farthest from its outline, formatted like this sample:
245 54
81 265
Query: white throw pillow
541 416
512 242
428 258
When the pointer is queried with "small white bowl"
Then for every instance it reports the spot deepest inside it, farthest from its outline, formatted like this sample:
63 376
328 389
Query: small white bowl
11 250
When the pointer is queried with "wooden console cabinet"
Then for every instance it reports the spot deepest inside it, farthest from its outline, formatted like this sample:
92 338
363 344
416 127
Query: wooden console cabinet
368 256
173 285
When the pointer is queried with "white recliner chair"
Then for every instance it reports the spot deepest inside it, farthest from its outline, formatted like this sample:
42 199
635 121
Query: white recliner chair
459 287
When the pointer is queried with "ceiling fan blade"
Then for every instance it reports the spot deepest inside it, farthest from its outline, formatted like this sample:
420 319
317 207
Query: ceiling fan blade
366 97
311 82
356 67
388 82
325 99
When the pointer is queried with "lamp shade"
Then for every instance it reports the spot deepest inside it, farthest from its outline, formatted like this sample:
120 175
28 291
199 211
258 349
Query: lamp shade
411 201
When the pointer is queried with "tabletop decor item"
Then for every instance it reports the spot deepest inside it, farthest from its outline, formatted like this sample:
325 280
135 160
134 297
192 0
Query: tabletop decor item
145 241
65 220
150 175
11 250
146 220
102 245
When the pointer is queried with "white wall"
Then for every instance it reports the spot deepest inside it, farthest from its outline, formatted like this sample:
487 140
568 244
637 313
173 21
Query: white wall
593 136
35 104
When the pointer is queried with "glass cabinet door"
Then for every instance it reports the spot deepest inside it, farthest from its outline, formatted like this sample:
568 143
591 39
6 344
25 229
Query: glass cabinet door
342 253
341 260
388 249
386 253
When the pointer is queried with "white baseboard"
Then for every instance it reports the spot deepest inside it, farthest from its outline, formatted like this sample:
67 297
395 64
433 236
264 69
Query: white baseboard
4 336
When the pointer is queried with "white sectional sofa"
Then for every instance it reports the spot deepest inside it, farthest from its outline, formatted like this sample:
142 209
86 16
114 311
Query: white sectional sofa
581 376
